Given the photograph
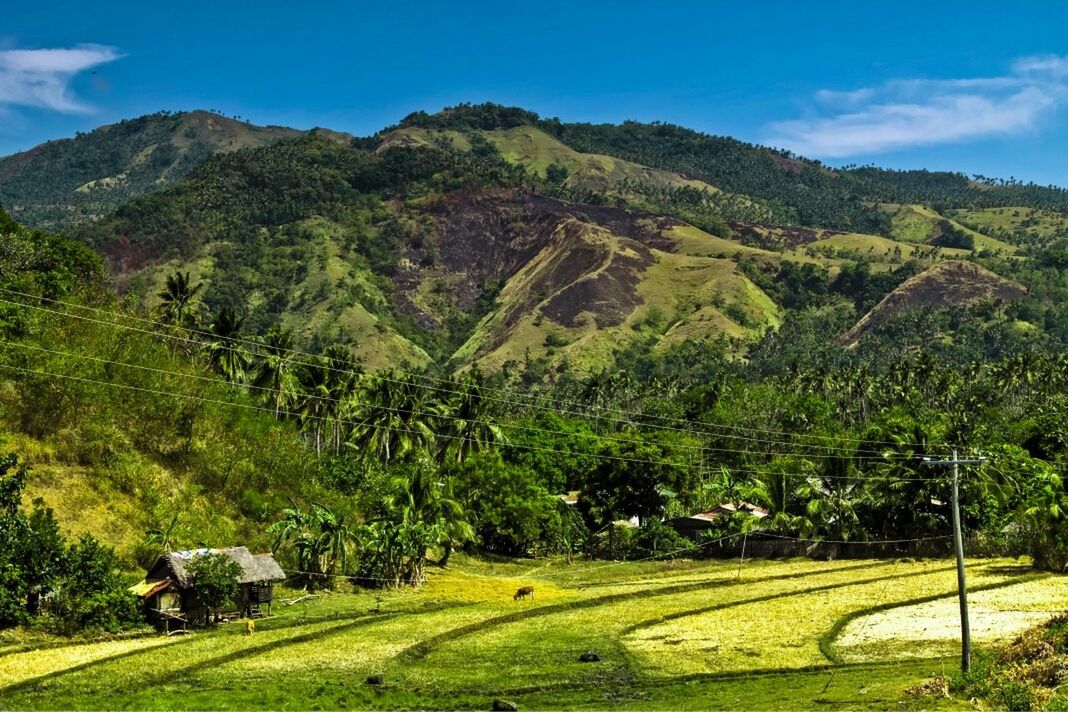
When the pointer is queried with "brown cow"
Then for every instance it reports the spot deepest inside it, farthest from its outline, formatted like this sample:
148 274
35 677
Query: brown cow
523 593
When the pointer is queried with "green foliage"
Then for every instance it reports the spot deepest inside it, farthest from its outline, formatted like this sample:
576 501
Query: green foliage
630 480
215 579
1024 675
952 237
511 511
87 590
93 593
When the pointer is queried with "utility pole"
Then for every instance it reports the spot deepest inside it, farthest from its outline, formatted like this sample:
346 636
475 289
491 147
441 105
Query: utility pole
958 546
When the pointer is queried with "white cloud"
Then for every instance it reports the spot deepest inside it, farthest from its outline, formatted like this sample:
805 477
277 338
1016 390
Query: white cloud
913 112
41 78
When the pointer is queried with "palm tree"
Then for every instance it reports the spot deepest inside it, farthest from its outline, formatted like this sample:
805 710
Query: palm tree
342 380
225 353
393 418
835 495
320 537
779 489
467 430
314 401
177 300
274 372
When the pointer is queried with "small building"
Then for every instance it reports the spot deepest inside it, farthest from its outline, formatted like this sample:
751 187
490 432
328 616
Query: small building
570 498
693 525
169 592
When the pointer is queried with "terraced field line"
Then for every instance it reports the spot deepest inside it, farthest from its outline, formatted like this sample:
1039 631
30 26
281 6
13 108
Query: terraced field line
32 681
700 677
356 620
828 639
421 649
273 645
771 597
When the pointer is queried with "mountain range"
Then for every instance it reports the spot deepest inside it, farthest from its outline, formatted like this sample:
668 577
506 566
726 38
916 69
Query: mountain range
488 235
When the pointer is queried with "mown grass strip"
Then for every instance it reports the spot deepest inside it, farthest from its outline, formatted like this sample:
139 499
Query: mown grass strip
771 597
826 642
423 648
356 620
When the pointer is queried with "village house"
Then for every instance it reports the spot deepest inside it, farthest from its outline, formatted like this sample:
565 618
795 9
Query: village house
169 592
693 525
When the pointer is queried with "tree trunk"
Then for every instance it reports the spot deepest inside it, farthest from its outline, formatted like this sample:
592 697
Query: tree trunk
443 562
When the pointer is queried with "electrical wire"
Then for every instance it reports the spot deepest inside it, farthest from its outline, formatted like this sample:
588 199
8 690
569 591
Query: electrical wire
585 407
327 399
276 412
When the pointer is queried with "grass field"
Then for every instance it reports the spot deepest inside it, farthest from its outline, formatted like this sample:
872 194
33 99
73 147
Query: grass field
1039 223
679 635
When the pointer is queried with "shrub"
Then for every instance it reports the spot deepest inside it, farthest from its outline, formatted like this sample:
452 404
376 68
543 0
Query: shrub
215 580
93 594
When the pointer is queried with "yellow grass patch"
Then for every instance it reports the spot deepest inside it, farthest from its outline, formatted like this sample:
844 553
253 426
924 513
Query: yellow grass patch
23 666
933 628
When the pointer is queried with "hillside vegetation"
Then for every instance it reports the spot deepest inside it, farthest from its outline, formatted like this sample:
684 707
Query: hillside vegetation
487 235
69 181
371 354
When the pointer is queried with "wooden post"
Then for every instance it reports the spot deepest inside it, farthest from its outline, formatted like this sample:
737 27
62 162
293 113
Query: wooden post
962 584
958 550
741 559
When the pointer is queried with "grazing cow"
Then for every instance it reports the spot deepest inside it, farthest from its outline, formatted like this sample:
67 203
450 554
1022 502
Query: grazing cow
523 593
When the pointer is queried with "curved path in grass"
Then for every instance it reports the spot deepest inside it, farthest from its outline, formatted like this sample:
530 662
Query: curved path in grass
828 639
423 648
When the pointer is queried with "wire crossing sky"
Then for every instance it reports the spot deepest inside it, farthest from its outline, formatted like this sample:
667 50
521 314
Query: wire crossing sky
969 86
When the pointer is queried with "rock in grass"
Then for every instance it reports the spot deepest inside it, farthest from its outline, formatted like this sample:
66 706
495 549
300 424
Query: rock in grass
589 657
504 706
374 679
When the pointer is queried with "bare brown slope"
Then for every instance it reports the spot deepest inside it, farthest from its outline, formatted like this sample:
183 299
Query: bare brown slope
942 286
488 236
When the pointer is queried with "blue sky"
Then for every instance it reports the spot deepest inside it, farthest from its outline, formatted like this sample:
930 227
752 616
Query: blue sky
980 87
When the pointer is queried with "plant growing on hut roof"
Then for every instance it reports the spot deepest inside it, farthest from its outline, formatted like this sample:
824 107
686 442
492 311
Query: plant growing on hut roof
215 580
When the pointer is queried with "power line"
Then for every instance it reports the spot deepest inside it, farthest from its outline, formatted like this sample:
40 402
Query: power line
276 412
327 399
585 407
452 391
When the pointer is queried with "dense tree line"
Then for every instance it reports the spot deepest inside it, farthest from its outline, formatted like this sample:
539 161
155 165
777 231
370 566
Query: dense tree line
801 191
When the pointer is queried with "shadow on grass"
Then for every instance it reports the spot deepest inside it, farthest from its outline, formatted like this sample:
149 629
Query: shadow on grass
423 648
355 621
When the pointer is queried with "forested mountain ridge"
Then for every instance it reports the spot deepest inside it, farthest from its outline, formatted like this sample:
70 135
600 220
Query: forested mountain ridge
485 234
67 181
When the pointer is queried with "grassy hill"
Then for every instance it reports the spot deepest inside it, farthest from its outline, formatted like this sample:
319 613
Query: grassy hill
68 181
487 234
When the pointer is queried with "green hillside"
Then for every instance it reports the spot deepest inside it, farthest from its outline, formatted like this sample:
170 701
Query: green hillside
479 235
108 451
69 181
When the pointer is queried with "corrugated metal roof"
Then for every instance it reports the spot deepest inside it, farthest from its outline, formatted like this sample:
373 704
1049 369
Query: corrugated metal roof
727 509
149 588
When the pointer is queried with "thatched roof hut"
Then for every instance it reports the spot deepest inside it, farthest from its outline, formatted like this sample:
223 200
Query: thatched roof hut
169 589
255 568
